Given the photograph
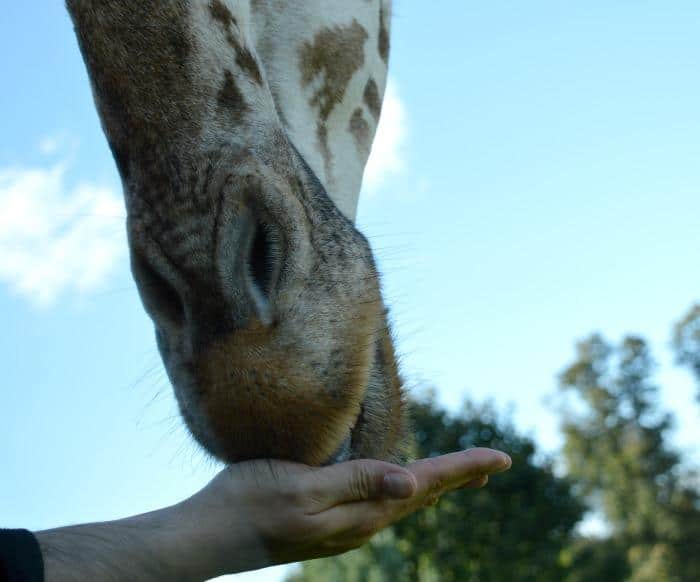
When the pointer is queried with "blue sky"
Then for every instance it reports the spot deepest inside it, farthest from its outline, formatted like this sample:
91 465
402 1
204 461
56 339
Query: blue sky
537 179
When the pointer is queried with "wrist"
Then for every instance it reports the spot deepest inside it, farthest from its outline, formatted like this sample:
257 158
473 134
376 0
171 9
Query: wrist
151 546
215 538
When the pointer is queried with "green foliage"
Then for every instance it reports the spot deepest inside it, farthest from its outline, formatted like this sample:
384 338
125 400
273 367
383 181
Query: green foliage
595 559
686 342
616 448
521 527
514 529
617 453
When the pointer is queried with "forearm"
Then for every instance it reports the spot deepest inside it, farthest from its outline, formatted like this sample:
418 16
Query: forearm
153 546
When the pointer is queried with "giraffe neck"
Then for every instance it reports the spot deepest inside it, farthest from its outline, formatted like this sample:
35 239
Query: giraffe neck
326 64
258 76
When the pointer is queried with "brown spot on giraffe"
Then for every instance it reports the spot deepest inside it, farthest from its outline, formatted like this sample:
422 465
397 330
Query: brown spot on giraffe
220 12
230 97
359 128
335 55
372 99
322 134
383 39
244 58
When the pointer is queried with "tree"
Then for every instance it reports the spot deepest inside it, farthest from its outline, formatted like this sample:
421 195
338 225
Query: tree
513 530
601 559
617 452
686 342
521 527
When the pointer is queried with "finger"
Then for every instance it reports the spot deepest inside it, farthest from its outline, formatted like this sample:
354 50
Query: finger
360 480
362 519
359 520
447 472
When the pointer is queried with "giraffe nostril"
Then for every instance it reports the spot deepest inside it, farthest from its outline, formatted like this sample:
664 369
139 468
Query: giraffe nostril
264 258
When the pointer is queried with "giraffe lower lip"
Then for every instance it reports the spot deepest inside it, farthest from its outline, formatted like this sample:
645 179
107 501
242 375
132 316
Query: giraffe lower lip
344 451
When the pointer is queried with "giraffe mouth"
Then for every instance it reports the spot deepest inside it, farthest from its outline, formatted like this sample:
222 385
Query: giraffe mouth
344 452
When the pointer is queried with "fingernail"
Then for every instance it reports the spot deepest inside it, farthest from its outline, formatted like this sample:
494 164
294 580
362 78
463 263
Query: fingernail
507 461
398 486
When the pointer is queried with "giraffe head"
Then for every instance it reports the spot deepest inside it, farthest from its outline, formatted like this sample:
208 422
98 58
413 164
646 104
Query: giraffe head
265 298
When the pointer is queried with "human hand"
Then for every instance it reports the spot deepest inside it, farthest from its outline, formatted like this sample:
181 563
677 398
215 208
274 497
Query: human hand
258 513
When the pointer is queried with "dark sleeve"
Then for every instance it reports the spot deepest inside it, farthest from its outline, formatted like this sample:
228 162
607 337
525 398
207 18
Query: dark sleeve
20 557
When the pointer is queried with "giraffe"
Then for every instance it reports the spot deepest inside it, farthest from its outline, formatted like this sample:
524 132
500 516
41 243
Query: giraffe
240 130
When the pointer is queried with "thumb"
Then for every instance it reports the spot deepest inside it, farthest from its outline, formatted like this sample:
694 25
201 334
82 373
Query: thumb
363 480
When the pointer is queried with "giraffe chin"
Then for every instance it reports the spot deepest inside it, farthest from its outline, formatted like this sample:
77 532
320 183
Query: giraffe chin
230 443
251 411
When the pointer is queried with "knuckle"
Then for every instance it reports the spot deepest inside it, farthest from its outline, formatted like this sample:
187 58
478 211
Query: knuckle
434 477
360 484
436 486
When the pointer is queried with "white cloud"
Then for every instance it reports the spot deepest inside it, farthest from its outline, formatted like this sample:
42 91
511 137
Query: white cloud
57 143
387 157
49 145
55 240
